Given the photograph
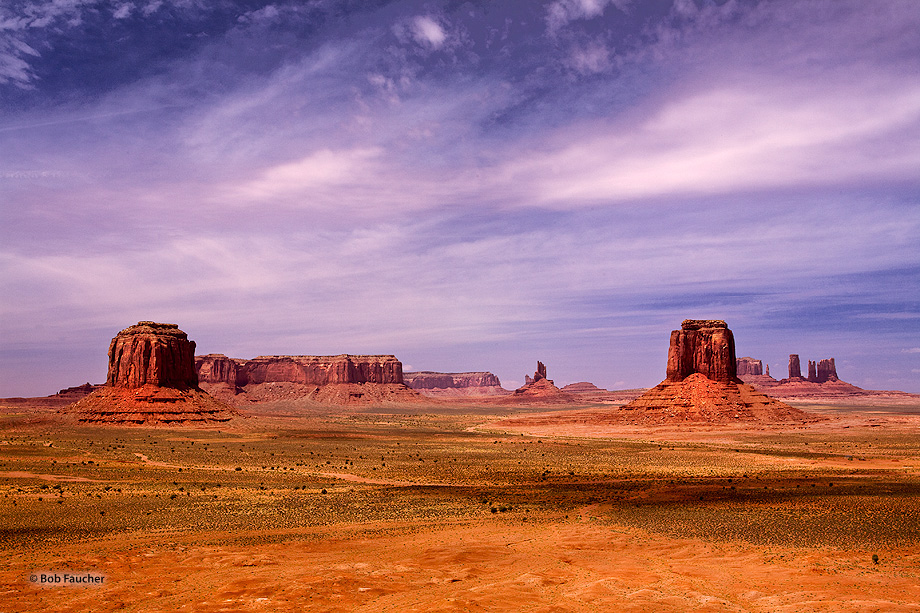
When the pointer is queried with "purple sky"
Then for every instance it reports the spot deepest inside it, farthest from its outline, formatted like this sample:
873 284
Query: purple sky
467 185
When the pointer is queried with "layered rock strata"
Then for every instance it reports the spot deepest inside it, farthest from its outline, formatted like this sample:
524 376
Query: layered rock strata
795 366
702 346
748 366
151 380
702 384
455 384
337 379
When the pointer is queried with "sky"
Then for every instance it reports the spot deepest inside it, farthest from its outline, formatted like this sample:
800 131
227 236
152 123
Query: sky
471 186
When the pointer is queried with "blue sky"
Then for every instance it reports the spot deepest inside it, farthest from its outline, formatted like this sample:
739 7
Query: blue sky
467 185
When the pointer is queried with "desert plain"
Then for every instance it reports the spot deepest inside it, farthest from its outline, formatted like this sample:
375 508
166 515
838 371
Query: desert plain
461 505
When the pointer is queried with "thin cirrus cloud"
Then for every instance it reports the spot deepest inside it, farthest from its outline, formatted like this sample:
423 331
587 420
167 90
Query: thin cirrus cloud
470 189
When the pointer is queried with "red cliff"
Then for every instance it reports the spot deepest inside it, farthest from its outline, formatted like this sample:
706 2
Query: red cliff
702 346
288 377
455 383
151 380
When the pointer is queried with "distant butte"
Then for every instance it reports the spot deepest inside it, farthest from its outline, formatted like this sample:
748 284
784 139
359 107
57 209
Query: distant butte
151 380
539 389
702 384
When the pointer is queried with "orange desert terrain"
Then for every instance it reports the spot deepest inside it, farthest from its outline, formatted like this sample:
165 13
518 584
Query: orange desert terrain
460 506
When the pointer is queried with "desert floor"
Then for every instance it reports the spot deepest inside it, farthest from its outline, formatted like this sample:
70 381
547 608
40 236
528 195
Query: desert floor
449 507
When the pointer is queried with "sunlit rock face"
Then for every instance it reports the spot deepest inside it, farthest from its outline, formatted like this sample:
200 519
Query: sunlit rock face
706 347
151 353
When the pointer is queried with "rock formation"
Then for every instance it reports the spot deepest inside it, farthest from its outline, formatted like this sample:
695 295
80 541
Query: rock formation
826 371
748 366
822 382
152 353
151 380
583 387
795 366
539 389
455 384
289 377
702 346
702 384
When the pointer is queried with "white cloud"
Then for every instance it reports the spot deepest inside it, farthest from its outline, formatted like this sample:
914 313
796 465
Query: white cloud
560 12
427 31
590 59
911 350
123 10
734 138
325 168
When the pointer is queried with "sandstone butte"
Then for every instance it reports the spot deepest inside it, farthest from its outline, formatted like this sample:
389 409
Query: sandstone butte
822 382
702 384
336 379
151 380
455 384
539 390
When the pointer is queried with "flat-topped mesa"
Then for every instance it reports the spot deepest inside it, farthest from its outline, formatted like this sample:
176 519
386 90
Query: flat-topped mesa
301 369
151 353
795 366
702 346
455 384
748 366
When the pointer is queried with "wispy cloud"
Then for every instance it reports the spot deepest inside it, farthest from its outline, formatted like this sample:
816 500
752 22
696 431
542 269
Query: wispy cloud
468 188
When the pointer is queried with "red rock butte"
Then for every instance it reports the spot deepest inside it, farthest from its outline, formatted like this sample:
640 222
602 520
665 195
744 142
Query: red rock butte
539 390
151 380
702 384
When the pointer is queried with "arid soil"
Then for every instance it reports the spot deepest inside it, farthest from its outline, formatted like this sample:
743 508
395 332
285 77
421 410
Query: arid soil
461 506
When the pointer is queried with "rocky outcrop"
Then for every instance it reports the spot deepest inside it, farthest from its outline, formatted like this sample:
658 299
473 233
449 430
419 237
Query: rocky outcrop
455 383
539 390
151 380
291 377
303 369
826 371
795 366
583 387
812 371
152 353
748 366
702 386
706 347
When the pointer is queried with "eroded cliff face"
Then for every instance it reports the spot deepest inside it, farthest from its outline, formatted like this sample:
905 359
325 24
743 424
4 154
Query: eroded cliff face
330 379
152 353
455 384
301 369
425 380
702 346
748 366
152 380
702 385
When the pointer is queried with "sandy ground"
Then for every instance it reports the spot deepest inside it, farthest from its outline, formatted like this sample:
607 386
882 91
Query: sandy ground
438 509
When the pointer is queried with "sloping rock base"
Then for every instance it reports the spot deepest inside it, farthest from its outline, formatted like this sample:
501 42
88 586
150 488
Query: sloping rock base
151 405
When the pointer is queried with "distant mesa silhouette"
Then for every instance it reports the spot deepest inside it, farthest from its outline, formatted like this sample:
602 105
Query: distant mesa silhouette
455 384
151 380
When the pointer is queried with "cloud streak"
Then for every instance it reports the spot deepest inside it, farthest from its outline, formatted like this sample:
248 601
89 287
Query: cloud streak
470 189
